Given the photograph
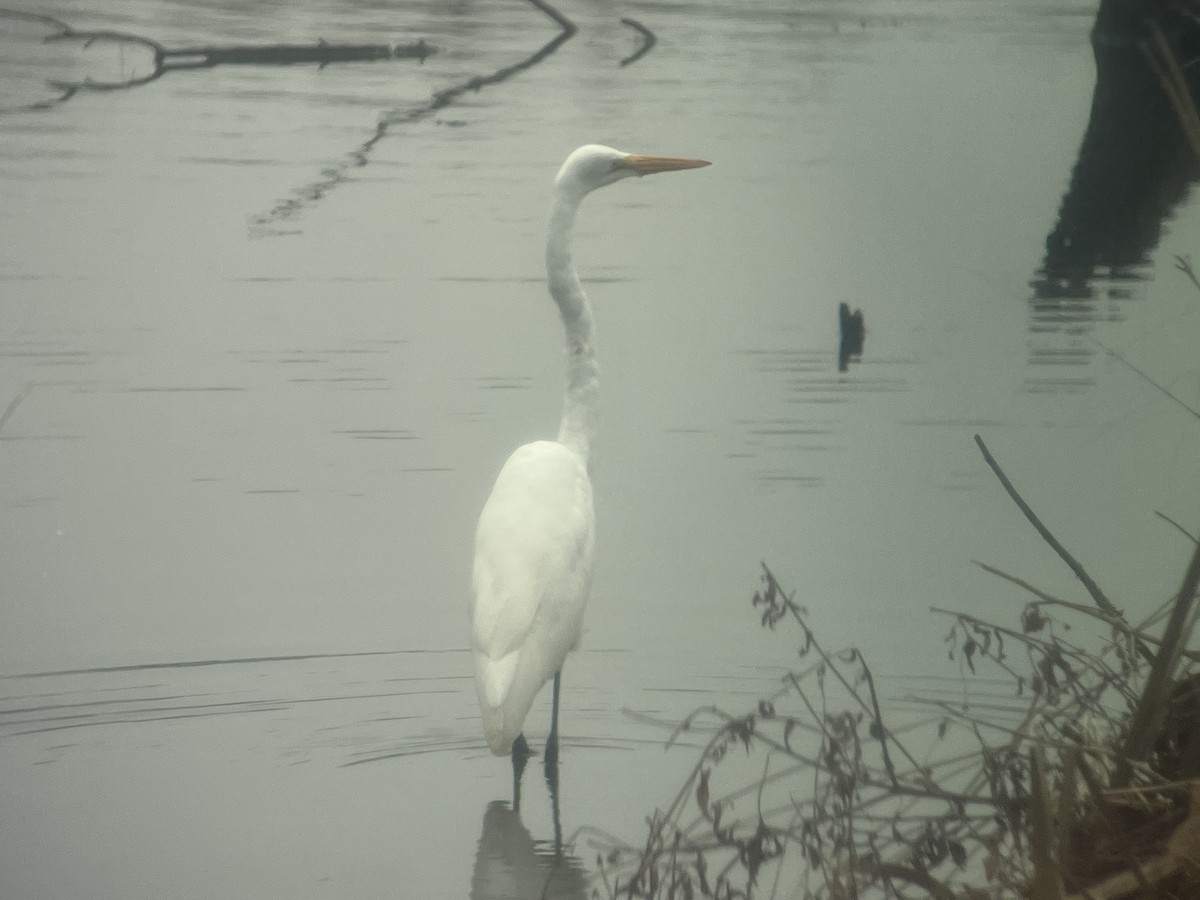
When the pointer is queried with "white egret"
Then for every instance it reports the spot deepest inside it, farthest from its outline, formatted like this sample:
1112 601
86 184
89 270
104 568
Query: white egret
535 540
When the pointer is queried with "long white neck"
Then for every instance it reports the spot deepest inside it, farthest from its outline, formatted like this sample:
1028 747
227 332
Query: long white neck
581 405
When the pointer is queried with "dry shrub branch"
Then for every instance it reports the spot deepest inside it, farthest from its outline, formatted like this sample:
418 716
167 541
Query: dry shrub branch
1062 767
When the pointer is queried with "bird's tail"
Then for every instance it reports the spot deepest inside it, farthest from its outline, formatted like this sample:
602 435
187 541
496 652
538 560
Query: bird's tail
494 681
499 738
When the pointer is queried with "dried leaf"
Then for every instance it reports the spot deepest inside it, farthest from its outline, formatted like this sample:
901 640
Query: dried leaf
991 864
1032 620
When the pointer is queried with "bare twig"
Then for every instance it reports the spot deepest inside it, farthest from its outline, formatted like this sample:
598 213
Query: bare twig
167 60
1092 588
1030 800
1148 717
648 41
1179 527
1021 583
14 403
1044 599
1113 353
57 26
873 708
1184 265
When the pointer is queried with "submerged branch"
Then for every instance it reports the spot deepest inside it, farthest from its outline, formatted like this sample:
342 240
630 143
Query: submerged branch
648 41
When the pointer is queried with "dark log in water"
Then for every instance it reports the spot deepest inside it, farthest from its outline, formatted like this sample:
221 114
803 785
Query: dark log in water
290 54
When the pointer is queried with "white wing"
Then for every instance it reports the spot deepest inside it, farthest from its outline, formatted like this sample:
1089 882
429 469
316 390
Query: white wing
533 572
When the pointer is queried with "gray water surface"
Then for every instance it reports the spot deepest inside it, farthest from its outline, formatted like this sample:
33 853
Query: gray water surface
267 334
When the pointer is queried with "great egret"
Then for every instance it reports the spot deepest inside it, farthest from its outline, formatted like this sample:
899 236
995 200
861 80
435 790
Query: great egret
536 535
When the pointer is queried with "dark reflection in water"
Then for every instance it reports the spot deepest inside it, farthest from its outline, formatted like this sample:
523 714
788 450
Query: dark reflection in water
852 331
1134 166
511 865
783 449
332 176
124 48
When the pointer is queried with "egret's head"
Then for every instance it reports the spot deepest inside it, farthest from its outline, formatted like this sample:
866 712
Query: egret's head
593 166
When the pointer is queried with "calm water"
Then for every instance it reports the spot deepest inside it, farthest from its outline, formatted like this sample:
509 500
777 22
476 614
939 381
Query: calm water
267 333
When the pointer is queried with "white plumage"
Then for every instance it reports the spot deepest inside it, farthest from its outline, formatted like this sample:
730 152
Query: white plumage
536 537
533 572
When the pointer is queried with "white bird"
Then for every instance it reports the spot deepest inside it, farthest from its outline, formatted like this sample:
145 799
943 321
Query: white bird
536 536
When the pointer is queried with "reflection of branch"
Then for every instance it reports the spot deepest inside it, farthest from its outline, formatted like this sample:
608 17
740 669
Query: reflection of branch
649 40
14 403
210 57
120 37
293 54
67 93
1119 357
335 175
166 60
1184 265
60 27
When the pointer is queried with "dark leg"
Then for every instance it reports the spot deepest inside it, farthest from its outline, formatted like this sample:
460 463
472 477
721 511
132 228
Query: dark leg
550 762
553 785
520 756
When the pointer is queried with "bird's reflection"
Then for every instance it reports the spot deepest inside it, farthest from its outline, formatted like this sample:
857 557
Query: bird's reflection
511 865
520 756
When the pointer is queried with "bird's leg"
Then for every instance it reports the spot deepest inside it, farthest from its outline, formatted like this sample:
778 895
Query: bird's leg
553 785
550 762
520 756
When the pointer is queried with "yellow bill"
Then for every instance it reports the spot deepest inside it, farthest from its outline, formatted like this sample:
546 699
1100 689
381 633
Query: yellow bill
652 165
